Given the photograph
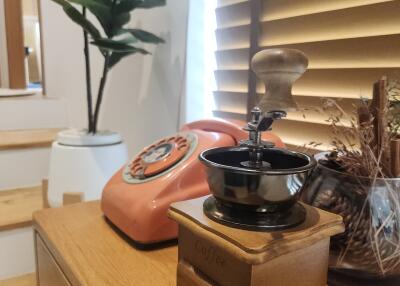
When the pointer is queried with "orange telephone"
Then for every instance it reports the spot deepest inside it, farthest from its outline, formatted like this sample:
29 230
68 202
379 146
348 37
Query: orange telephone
137 197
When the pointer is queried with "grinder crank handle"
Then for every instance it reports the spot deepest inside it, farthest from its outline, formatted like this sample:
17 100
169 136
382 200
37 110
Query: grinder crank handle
264 122
278 69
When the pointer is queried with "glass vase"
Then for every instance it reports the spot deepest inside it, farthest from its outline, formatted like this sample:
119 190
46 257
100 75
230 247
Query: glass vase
370 246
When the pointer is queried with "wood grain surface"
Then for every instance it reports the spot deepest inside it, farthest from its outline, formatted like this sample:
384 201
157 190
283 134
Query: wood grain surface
18 205
24 280
91 252
70 198
27 138
257 247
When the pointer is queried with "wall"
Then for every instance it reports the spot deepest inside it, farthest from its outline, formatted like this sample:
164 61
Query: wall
16 252
142 97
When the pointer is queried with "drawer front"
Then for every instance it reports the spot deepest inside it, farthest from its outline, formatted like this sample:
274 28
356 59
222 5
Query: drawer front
49 273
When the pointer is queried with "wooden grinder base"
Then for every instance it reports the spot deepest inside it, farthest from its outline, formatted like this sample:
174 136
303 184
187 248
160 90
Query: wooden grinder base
213 254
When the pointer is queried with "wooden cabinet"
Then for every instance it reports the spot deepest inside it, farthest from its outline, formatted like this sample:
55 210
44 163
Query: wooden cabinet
48 271
77 246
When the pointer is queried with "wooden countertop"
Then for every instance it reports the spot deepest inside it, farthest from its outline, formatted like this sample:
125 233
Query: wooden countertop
90 252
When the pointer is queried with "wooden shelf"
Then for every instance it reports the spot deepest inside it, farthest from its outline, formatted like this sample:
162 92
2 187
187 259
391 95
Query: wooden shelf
17 206
5 92
25 280
16 139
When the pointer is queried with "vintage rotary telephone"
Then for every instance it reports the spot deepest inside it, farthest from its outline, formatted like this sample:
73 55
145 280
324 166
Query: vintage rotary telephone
137 197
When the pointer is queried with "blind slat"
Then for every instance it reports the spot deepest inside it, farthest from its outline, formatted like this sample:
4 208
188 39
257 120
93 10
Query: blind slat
233 38
363 21
233 15
231 80
225 3
309 107
310 132
318 133
338 83
273 10
230 115
367 52
232 59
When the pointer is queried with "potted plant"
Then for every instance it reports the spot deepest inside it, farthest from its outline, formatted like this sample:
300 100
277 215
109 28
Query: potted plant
83 160
359 179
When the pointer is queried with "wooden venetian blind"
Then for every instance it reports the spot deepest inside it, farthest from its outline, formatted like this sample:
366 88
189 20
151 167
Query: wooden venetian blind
350 45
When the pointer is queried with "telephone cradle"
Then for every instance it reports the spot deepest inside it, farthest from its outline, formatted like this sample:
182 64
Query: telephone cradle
137 197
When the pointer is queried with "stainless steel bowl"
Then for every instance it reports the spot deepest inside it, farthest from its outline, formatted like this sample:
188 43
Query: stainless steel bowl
271 190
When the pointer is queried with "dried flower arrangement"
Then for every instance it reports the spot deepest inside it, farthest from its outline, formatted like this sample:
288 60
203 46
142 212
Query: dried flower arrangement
370 147
360 180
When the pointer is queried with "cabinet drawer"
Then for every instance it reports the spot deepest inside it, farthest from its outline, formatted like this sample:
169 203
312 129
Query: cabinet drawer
48 271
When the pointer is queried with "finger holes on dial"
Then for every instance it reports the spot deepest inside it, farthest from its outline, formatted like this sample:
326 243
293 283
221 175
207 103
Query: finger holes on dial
180 147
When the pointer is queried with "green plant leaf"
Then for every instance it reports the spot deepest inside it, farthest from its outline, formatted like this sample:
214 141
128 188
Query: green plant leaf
78 18
105 2
128 40
117 57
126 6
119 21
145 36
101 10
147 4
117 46
129 5
106 14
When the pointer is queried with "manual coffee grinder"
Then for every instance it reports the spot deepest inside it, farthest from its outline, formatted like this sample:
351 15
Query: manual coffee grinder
252 230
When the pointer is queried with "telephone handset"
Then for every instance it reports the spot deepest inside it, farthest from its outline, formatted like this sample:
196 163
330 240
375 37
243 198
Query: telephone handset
137 197
233 128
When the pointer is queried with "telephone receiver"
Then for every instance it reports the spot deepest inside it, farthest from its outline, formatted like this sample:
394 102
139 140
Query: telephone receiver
233 128
137 197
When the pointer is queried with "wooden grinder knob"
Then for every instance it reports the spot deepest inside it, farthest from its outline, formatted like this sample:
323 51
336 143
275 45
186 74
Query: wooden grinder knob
278 69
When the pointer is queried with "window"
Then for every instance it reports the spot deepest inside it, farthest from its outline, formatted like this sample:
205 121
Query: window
350 45
200 66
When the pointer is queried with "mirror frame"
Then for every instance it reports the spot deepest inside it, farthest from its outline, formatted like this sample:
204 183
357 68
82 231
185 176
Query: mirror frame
12 59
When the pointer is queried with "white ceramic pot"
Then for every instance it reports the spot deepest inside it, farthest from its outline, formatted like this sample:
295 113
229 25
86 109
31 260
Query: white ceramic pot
82 162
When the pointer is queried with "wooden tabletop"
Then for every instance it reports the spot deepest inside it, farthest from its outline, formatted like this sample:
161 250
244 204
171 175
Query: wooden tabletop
91 252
